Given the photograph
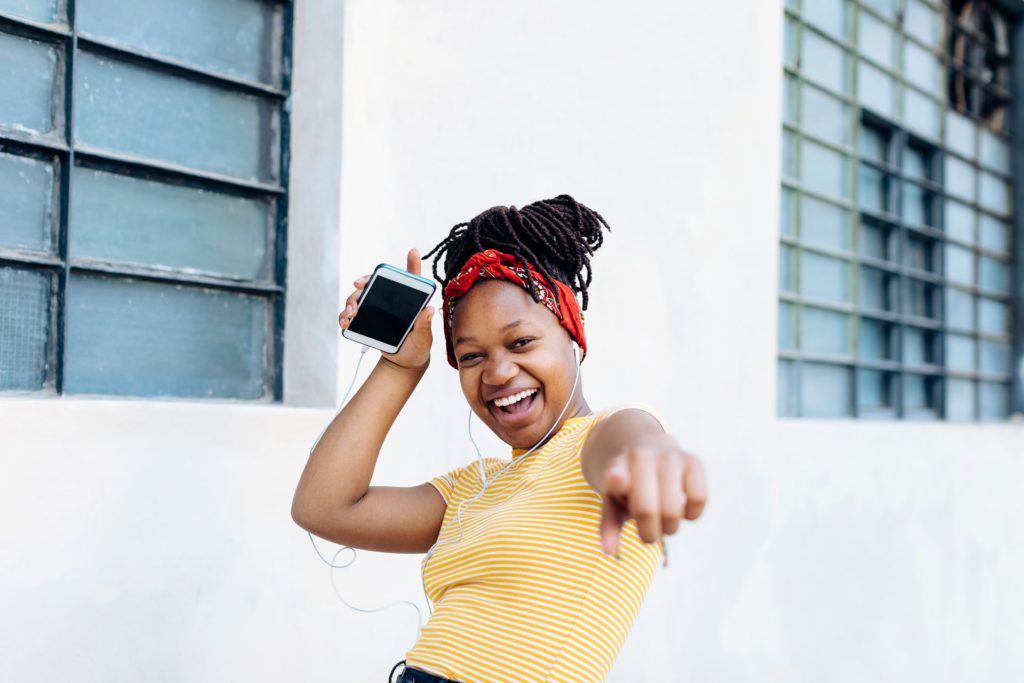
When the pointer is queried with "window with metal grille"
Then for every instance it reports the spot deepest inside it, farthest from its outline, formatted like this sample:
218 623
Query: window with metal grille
897 227
143 186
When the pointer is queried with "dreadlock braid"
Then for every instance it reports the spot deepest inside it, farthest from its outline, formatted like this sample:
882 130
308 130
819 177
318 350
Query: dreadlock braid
557 236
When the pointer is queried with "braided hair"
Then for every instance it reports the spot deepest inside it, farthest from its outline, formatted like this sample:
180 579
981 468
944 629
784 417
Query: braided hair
557 236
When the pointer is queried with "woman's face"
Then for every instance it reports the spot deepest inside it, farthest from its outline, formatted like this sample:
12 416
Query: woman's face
516 362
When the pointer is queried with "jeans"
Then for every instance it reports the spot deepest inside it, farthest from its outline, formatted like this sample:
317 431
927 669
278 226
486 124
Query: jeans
410 675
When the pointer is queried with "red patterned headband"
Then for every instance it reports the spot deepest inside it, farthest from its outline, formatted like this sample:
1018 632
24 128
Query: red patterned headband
497 265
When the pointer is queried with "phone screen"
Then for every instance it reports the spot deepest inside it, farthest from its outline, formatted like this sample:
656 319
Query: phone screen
387 310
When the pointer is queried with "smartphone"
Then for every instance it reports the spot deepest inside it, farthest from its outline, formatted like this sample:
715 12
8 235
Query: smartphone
388 307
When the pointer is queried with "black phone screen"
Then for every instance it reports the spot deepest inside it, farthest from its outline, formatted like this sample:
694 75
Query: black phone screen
387 310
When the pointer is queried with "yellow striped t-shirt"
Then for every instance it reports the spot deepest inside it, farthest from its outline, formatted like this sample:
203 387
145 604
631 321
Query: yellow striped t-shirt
522 592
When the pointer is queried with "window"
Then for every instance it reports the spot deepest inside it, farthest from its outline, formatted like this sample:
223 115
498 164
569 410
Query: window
143 177
897 221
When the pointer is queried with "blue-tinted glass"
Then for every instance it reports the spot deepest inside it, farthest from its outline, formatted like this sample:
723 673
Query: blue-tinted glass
917 205
787 212
824 116
787 269
994 234
921 67
919 395
886 8
133 338
995 153
960 400
130 220
27 90
917 163
995 193
875 290
26 195
823 170
823 277
874 241
995 275
993 316
959 264
960 177
920 113
126 108
876 340
874 390
787 389
872 189
823 61
919 253
875 90
995 357
918 346
922 22
790 45
995 401
24 328
44 11
790 99
789 155
828 15
873 143
236 36
824 224
960 134
959 308
825 390
919 299
824 331
875 38
959 221
960 352
787 326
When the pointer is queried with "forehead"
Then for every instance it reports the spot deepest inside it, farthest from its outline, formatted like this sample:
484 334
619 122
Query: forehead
491 304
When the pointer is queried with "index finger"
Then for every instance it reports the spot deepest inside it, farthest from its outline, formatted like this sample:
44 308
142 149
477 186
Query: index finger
413 261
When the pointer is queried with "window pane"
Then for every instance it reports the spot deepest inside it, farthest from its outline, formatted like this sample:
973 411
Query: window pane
876 290
959 221
26 195
787 326
995 357
824 116
27 84
790 46
994 234
824 331
995 193
236 37
918 205
960 178
790 99
24 328
995 401
873 143
921 68
825 390
919 299
789 155
823 277
959 265
919 346
44 11
876 241
823 170
873 189
993 316
995 153
874 391
995 275
919 253
886 8
136 338
787 269
824 225
787 389
828 15
922 22
823 61
959 308
960 132
920 113
130 109
875 90
875 38
959 399
920 395
788 212
960 351
130 220
917 163
876 340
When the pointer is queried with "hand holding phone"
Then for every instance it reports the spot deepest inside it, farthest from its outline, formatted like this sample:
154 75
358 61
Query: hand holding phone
395 317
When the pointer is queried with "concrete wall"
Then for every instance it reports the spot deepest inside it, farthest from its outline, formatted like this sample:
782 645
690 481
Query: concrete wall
151 541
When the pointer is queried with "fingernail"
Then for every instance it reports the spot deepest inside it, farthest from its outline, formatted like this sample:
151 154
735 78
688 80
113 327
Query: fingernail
347 311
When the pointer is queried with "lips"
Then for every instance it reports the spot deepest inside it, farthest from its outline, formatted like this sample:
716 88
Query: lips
517 409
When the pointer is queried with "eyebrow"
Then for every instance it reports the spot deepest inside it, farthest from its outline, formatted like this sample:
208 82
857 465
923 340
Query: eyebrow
462 340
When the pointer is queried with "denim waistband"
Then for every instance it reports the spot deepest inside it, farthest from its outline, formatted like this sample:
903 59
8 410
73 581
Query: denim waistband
411 675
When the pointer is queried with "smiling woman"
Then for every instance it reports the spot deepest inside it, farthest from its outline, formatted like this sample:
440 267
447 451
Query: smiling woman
514 566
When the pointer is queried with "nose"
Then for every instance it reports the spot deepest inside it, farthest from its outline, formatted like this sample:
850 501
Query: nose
499 369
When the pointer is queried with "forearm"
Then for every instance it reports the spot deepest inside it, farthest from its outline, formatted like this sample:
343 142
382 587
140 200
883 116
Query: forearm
340 467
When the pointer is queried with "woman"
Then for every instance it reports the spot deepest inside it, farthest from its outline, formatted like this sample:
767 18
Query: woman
536 566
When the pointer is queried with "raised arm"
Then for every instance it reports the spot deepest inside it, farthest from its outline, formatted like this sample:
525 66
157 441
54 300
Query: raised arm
334 499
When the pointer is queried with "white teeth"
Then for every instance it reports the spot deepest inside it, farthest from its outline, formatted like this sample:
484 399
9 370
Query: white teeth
514 398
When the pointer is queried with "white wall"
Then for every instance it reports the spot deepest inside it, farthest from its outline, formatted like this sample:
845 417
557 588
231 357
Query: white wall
152 541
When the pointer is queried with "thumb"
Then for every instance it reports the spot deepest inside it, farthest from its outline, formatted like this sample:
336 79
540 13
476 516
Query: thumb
423 321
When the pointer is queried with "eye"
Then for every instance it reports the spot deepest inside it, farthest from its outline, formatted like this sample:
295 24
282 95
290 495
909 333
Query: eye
468 358
521 342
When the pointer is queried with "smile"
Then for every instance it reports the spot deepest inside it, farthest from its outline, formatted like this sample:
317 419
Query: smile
517 409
